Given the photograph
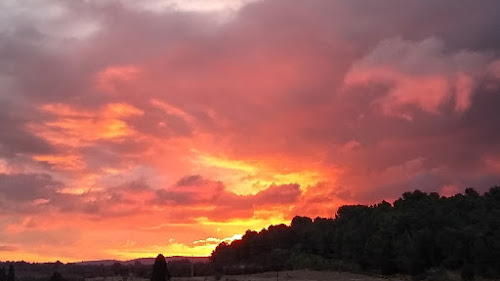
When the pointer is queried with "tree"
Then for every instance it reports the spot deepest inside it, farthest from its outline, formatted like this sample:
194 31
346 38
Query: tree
12 275
56 276
119 269
160 270
418 232
471 192
467 272
3 274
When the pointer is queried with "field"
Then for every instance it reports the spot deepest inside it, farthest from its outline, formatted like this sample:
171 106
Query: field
297 275
311 275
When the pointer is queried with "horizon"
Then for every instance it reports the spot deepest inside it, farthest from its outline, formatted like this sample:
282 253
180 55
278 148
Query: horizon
101 260
168 126
167 257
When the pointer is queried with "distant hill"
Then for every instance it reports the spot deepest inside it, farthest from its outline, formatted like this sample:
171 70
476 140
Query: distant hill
145 261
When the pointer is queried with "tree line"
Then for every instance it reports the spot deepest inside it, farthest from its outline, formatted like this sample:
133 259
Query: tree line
418 232
9 275
78 272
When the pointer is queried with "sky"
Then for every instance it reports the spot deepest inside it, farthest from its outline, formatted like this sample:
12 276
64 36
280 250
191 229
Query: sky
132 128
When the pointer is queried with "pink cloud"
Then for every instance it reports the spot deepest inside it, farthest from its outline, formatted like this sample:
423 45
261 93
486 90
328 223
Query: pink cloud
419 74
286 108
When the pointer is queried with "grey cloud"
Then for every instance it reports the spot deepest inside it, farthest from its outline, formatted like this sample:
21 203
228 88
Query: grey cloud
198 191
27 187
14 137
298 122
190 180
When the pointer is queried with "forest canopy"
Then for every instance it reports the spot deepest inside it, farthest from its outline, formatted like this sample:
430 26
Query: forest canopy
419 231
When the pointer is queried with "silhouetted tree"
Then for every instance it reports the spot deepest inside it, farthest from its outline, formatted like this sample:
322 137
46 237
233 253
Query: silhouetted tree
119 269
160 270
467 272
11 275
56 276
419 231
3 274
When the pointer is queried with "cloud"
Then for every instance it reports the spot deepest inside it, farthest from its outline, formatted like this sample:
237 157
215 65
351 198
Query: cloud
419 74
271 108
78 128
4 248
213 200
27 187
14 137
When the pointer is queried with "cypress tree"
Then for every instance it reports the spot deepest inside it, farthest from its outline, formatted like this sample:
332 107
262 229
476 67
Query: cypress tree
160 270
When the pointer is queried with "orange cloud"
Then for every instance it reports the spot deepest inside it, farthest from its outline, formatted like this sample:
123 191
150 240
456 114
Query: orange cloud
113 79
169 133
77 128
62 162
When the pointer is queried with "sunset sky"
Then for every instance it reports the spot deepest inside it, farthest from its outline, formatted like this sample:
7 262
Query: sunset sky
132 128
